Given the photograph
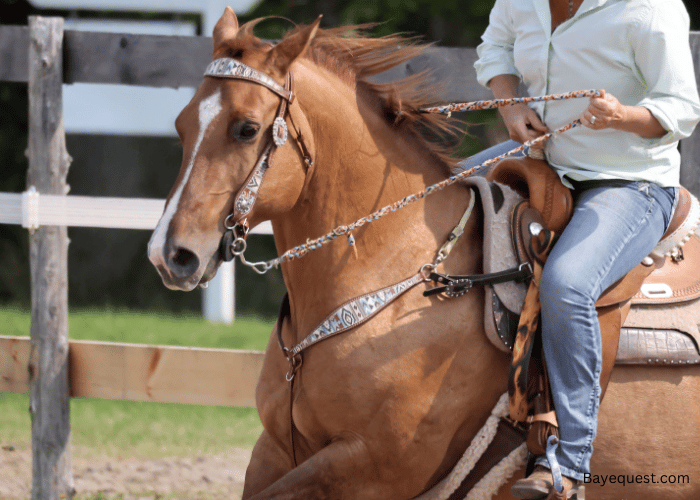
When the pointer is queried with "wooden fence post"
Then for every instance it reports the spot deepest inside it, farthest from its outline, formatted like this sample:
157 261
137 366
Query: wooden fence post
48 363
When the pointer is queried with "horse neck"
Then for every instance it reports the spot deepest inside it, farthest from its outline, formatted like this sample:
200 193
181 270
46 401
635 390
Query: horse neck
362 164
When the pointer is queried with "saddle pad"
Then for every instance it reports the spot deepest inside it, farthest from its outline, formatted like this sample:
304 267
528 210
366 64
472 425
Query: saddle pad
497 203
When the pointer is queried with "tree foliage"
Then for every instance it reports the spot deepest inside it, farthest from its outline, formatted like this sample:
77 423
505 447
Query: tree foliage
446 22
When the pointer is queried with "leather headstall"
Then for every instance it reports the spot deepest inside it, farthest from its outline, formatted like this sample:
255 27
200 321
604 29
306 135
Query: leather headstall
234 240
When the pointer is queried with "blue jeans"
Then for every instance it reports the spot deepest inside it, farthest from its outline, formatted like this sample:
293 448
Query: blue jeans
614 226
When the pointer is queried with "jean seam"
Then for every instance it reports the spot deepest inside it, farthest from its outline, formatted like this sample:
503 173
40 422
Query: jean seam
598 370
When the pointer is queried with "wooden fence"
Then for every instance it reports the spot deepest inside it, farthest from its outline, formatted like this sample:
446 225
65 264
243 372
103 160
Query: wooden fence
51 367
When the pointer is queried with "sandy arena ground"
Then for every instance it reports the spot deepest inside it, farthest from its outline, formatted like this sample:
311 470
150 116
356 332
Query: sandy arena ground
210 477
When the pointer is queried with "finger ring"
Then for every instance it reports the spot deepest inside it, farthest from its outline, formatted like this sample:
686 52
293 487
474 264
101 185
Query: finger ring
592 119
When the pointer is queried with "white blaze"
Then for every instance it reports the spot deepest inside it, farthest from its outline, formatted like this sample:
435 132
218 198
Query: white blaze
209 108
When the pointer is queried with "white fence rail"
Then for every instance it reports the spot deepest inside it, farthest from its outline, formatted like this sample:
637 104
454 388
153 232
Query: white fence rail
32 210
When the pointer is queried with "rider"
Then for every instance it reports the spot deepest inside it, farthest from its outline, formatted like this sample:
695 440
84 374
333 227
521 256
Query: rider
623 168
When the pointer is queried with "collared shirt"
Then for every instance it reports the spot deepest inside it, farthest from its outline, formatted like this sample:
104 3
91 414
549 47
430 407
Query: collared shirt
637 50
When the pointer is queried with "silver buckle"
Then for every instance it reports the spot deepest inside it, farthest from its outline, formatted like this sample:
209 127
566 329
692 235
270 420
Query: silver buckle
279 131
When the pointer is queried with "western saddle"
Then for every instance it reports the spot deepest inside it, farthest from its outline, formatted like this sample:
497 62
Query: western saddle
670 274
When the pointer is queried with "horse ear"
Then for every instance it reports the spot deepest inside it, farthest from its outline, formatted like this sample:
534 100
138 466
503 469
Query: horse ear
226 28
288 50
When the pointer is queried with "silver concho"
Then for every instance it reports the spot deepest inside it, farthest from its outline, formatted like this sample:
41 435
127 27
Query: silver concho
244 203
279 131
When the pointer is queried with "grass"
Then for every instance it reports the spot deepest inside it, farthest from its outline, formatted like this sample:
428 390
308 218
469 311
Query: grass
136 429
145 328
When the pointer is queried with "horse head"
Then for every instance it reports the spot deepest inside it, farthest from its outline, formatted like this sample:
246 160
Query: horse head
226 132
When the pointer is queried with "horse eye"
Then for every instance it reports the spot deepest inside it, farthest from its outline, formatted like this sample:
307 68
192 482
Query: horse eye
245 131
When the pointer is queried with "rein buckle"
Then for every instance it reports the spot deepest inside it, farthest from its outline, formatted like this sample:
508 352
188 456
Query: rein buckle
458 287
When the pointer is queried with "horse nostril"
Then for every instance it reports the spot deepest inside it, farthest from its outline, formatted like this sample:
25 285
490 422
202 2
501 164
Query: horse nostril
183 262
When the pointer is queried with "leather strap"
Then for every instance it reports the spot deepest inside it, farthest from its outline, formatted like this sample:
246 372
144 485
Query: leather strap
461 284
550 417
233 241
226 67
540 245
354 312
610 319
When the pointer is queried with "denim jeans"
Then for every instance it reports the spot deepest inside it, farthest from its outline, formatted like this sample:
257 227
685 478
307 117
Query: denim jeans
614 226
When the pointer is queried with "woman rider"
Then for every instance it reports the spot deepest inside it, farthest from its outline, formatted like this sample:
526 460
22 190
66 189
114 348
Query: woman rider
623 168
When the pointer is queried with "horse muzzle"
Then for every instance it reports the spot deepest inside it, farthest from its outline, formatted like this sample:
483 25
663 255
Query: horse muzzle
182 268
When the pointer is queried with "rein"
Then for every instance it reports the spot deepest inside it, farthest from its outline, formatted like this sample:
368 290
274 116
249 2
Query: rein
346 230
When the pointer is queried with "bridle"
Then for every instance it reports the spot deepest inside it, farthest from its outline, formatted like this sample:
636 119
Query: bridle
233 242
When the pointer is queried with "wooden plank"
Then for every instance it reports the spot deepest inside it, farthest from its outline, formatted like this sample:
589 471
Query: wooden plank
690 147
14 364
135 372
117 58
48 252
452 74
217 377
14 42
148 60
175 61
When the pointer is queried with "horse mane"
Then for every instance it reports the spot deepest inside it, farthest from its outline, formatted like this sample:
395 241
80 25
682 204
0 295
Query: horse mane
354 56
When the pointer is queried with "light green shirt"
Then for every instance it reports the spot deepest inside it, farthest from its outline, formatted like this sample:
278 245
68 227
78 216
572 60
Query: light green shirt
637 50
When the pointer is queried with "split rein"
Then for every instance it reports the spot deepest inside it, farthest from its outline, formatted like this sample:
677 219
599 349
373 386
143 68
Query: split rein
238 245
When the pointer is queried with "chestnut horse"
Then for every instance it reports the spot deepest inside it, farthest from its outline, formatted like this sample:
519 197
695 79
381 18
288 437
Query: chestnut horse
385 410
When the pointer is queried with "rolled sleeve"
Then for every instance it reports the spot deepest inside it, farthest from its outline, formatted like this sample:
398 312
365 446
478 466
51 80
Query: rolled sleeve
496 51
665 63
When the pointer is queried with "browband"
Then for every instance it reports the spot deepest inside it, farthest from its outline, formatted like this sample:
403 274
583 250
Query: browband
225 67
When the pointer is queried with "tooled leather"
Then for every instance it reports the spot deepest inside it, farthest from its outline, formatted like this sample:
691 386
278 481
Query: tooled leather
682 277
536 180
656 347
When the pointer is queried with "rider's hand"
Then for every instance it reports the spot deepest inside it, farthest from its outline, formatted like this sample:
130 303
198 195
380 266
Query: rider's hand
611 113
604 112
523 124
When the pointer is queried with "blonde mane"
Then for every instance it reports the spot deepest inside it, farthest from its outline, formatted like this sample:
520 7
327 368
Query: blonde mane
355 57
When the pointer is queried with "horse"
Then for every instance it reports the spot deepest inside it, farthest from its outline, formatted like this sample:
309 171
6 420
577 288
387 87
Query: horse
386 409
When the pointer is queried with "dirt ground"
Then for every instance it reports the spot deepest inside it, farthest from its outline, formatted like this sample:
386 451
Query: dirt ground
209 477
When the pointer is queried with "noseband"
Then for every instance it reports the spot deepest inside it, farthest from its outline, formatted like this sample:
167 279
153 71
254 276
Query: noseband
234 240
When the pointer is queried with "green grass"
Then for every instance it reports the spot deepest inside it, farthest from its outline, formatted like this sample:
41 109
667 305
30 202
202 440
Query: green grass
145 328
136 429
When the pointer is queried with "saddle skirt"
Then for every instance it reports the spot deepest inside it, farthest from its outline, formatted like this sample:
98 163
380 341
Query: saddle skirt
663 323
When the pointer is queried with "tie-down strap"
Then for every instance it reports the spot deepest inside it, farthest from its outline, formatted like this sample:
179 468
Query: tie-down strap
454 286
